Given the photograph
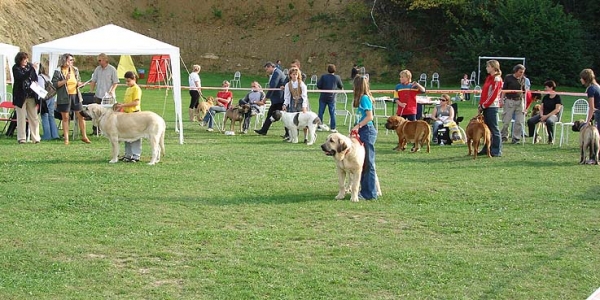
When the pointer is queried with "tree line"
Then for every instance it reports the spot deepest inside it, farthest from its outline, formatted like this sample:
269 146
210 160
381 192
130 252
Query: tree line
558 38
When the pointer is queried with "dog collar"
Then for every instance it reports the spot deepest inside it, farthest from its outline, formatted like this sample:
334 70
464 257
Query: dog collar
583 125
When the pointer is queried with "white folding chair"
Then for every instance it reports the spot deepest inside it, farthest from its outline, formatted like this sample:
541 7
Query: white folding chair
260 116
423 79
542 126
313 82
580 108
435 78
236 81
341 109
380 111
476 95
472 80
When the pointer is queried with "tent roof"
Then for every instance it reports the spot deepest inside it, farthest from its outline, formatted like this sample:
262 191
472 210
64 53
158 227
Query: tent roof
114 40
110 39
6 48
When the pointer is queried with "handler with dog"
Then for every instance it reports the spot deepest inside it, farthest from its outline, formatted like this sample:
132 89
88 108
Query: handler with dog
489 103
363 102
131 104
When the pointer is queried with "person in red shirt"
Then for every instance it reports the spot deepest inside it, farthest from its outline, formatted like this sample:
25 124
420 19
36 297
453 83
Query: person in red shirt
405 96
223 101
489 103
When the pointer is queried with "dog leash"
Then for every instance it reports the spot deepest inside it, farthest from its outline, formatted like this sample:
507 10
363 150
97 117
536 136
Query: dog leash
354 134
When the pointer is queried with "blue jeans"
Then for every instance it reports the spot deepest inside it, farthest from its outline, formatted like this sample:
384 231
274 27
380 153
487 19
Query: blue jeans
597 118
490 118
368 189
331 107
211 112
48 123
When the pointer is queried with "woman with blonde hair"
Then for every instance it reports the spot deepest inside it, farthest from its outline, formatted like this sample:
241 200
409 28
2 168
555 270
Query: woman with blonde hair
363 102
223 102
592 89
489 103
442 114
66 81
195 85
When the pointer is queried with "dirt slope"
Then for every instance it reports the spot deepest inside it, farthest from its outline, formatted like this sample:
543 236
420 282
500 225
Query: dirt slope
219 35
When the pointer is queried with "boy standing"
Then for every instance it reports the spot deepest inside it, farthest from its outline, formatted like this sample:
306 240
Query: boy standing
131 104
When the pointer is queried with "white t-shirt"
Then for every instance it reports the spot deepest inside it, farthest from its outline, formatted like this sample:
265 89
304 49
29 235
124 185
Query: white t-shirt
194 77
465 83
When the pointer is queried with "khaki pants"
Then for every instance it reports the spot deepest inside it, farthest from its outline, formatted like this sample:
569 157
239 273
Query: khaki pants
28 112
513 108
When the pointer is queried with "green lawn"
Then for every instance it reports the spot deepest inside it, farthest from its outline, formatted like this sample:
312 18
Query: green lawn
251 217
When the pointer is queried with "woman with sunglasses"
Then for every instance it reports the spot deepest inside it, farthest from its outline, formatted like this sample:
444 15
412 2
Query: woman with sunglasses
442 113
67 82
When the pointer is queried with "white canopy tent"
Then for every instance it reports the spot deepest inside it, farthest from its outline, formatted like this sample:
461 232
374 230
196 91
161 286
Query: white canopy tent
496 58
114 40
7 59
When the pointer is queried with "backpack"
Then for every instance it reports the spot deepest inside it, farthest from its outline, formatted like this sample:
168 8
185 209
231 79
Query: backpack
48 87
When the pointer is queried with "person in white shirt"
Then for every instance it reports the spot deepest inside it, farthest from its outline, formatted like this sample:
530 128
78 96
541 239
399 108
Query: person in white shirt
465 85
195 86
295 95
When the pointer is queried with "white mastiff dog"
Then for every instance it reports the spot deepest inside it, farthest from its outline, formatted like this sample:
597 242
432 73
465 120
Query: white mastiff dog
349 155
118 126
298 120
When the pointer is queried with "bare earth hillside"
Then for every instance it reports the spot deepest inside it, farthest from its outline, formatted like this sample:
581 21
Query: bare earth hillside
222 36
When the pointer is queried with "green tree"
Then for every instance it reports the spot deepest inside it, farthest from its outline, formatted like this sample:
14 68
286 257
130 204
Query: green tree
551 40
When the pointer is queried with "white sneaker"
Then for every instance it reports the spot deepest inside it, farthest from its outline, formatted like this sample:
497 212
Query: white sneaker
210 130
333 131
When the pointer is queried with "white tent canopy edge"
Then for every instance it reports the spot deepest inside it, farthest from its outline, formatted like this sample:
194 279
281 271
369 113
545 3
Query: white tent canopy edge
496 58
114 40
7 59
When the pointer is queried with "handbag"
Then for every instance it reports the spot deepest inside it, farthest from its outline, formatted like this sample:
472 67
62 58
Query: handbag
50 90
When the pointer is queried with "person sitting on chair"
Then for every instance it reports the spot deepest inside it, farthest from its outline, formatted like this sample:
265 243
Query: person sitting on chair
442 114
223 100
255 98
550 107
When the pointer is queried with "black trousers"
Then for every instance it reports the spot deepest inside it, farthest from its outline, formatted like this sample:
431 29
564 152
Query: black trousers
268 122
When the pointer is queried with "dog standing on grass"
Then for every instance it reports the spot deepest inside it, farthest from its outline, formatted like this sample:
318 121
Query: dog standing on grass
417 132
236 114
477 130
589 141
349 155
118 126
203 107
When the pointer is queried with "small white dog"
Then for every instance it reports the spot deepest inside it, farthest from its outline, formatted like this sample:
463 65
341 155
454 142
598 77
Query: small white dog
298 120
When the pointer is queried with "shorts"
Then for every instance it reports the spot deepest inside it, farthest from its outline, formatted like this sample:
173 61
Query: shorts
73 105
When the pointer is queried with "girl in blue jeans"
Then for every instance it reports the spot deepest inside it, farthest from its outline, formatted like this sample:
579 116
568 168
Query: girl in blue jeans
363 102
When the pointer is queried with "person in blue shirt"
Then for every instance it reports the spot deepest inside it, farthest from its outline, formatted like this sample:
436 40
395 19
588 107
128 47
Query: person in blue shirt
363 102
592 89
329 81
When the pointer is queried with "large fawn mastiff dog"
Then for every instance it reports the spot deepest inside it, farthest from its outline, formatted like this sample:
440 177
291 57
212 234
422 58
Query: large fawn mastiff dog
129 127
589 141
350 158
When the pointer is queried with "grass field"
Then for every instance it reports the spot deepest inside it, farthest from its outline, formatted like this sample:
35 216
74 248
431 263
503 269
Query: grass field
251 217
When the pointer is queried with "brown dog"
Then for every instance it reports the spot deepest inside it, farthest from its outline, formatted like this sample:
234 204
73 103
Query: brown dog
477 130
203 107
536 110
589 140
417 132
236 114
